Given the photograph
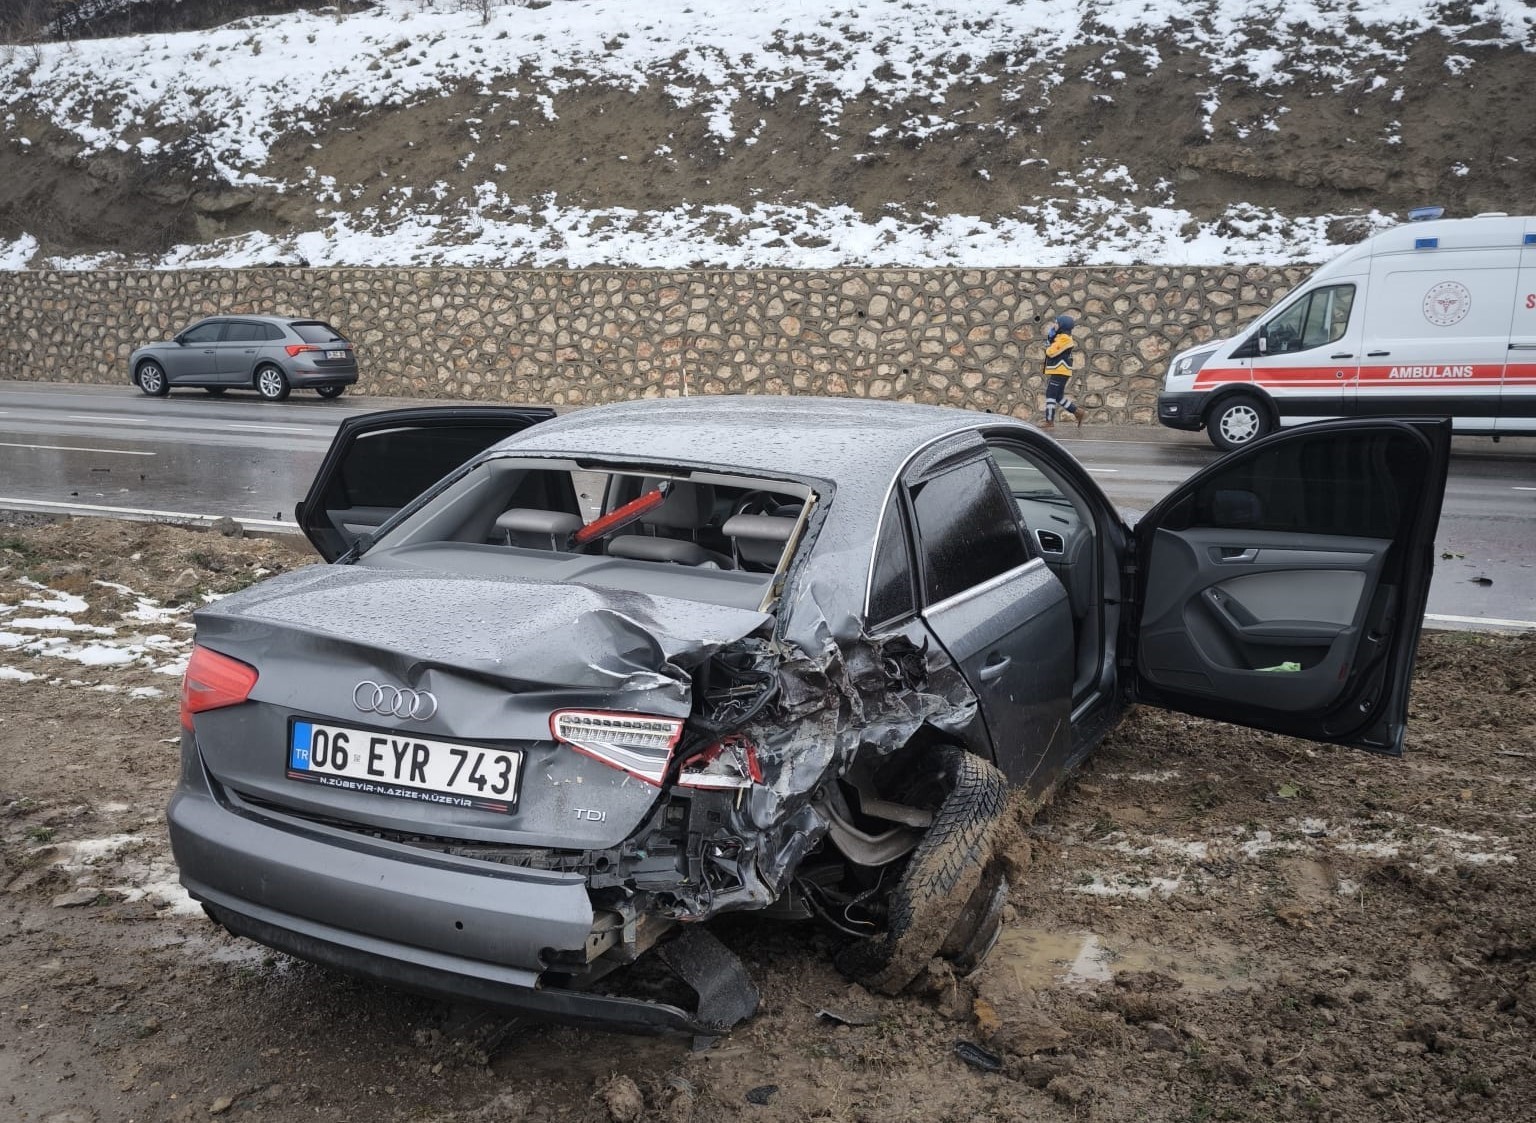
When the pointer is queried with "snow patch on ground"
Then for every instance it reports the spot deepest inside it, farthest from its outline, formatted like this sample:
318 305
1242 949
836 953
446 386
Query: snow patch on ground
236 90
1129 863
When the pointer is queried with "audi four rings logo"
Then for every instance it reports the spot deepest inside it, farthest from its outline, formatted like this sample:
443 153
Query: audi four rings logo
394 701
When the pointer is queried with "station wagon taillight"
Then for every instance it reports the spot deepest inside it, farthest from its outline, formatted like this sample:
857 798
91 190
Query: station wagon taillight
213 681
640 744
299 348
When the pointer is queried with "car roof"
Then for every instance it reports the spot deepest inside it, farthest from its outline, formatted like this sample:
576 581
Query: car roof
259 317
857 444
838 439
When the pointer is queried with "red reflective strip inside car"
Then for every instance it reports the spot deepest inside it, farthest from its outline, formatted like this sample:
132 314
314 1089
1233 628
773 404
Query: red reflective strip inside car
616 518
212 682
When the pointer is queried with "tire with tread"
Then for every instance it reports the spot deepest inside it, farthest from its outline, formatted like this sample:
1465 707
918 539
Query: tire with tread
152 379
1238 421
272 383
330 391
947 884
215 391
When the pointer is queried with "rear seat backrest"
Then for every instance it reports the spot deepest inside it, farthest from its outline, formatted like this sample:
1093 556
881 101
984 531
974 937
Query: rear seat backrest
688 508
535 529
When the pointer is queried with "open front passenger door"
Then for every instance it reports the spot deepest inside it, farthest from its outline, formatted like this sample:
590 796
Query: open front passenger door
1283 587
378 462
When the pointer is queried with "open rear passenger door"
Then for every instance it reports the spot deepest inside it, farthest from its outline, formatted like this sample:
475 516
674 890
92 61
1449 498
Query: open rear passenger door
1284 586
379 462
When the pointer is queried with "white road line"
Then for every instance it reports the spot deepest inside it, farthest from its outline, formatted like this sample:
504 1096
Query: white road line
77 448
1483 621
272 428
1105 471
138 513
1524 489
106 417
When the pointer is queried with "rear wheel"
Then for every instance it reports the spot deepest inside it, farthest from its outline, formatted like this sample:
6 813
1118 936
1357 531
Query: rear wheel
949 901
152 380
329 391
271 383
1237 421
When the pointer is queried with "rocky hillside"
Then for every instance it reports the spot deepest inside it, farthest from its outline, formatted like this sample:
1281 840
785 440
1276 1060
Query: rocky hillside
753 133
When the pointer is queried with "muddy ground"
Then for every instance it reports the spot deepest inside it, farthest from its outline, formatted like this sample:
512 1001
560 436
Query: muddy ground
1214 924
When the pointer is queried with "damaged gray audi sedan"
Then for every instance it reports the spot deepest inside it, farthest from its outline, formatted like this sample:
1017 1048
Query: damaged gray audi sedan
572 686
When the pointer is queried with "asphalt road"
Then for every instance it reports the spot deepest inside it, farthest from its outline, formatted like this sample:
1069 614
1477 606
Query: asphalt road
111 450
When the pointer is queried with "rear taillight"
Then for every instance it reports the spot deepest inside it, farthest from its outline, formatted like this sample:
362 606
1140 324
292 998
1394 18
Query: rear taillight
731 763
213 681
299 348
639 744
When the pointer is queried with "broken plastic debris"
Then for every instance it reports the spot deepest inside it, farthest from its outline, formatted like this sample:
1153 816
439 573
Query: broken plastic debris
977 1057
846 1017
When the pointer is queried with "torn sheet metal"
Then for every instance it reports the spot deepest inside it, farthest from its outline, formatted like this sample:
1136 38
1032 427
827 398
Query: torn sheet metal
526 634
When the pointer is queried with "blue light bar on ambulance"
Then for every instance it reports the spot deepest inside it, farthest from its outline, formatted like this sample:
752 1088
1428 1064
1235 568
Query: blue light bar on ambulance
1426 243
1530 239
1424 214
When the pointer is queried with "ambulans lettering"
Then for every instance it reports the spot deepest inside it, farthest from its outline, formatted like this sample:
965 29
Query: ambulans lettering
1530 300
1431 372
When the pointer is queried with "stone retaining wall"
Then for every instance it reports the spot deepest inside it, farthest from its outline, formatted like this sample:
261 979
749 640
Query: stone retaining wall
573 337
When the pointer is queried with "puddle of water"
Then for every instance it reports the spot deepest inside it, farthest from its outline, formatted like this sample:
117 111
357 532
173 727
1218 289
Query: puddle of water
1036 958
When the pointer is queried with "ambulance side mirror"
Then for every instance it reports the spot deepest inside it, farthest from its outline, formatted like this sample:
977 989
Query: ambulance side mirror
1263 341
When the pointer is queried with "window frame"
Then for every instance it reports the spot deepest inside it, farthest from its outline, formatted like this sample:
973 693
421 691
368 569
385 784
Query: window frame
963 459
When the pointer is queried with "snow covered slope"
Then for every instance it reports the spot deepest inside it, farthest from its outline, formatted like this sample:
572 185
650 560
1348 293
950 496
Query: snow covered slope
683 132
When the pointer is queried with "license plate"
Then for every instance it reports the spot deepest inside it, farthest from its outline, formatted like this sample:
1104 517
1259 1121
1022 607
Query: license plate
335 354
398 764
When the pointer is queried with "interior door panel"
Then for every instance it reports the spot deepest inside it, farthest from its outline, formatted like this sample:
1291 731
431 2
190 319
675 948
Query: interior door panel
1274 617
1283 587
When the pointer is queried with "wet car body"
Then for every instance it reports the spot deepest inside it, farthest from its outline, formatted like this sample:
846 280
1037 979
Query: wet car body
272 355
731 699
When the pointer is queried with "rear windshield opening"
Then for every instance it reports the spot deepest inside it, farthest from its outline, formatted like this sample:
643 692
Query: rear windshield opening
313 331
710 536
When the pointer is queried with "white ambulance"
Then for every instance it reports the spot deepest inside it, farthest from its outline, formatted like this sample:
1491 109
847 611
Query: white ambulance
1429 319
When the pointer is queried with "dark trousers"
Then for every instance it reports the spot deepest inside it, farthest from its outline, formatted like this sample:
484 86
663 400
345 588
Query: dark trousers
1056 396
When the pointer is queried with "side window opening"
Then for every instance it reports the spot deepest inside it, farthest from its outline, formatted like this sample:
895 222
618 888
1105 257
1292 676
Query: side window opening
967 527
204 333
1362 486
1316 319
891 595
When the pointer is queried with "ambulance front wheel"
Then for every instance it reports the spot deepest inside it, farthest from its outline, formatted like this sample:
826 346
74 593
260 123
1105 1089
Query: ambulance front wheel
1237 421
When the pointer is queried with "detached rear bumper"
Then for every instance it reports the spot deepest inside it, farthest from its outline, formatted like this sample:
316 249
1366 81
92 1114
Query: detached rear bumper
457 979
1182 411
408 919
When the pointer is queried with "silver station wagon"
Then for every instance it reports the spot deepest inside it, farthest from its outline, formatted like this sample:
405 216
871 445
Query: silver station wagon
570 687
272 355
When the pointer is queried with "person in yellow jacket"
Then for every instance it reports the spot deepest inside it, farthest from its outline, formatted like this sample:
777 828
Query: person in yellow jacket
1060 354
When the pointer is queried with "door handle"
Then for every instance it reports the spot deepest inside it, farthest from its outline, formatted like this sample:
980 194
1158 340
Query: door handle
1343 355
1376 354
996 665
1522 346
1229 554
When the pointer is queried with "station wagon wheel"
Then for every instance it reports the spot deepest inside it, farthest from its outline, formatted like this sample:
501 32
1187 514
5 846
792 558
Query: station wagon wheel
1237 421
152 380
271 383
329 391
950 898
